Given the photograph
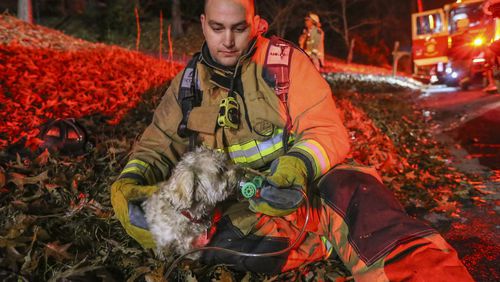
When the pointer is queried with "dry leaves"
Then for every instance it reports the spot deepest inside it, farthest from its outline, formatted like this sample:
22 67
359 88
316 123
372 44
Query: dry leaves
43 84
2 178
20 180
389 134
369 145
58 251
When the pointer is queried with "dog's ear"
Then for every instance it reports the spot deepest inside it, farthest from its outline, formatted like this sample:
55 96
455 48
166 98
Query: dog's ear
180 185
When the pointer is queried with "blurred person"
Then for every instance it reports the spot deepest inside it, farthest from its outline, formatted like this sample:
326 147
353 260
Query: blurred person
312 40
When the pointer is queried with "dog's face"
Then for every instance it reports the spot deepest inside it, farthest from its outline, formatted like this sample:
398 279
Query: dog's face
200 180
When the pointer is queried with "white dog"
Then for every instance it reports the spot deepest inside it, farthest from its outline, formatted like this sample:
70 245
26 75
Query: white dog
180 212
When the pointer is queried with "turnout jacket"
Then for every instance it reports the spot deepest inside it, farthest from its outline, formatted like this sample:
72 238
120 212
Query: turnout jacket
314 42
316 132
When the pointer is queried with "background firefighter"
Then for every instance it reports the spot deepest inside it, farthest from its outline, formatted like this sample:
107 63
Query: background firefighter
312 40
299 140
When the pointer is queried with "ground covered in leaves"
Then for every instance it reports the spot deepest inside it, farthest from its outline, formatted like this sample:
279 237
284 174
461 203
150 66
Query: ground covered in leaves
67 78
56 218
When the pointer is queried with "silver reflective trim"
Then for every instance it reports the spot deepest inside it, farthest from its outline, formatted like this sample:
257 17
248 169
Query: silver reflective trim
270 143
262 146
244 153
187 78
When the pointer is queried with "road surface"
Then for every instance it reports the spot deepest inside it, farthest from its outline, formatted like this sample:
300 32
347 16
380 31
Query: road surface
469 122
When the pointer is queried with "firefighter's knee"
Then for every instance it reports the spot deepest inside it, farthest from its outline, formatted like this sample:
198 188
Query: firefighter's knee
374 221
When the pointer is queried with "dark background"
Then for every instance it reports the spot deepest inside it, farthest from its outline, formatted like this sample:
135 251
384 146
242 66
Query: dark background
374 24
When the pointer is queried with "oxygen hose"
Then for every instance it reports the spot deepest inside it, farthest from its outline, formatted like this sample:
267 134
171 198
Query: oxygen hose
244 254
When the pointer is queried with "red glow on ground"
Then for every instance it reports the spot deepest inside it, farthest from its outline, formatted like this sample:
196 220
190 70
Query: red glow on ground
41 84
479 244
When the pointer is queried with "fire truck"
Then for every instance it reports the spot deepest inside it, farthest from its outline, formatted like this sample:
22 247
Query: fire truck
450 44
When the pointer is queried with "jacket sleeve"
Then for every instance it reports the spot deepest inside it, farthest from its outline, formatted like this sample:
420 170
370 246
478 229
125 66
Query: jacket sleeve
159 147
321 138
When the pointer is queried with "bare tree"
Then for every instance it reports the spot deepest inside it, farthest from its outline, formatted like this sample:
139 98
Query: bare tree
338 20
25 10
177 30
283 15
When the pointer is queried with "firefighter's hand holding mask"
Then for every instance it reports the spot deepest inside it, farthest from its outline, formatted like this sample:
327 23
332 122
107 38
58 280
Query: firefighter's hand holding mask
280 196
126 197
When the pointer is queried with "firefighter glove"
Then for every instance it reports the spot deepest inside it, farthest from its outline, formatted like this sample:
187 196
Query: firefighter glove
127 194
280 194
288 171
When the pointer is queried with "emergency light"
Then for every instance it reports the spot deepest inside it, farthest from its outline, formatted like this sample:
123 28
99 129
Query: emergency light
478 41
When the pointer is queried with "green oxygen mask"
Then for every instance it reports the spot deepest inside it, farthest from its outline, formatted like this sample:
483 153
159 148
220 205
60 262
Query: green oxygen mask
282 198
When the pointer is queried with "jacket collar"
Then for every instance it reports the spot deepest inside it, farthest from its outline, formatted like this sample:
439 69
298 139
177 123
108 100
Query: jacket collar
222 71
208 61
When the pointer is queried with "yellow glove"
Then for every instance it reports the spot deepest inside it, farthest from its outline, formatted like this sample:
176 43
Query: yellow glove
124 192
288 171
280 196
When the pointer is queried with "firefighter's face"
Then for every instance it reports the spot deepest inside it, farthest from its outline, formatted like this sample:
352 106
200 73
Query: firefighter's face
229 26
308 22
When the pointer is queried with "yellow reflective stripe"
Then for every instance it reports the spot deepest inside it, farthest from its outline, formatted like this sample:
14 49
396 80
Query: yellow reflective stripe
238 148
259 155
242 147
318 153
255 150
139 162
131 169
253 158
272 149
136 166
240 160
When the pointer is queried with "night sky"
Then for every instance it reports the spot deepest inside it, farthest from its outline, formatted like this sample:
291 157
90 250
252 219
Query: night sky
434 4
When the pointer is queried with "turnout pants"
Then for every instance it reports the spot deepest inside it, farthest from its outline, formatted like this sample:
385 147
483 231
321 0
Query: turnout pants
351 214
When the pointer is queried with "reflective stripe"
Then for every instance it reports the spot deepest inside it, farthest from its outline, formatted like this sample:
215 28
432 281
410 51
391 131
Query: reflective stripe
328 246
187 78
316 151
136 166
255 150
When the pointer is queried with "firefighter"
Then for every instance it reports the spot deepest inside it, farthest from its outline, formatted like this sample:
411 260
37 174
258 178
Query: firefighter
492 53
312 40
230 98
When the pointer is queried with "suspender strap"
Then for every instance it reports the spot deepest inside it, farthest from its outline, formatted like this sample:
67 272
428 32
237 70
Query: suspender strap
189 96
277 75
